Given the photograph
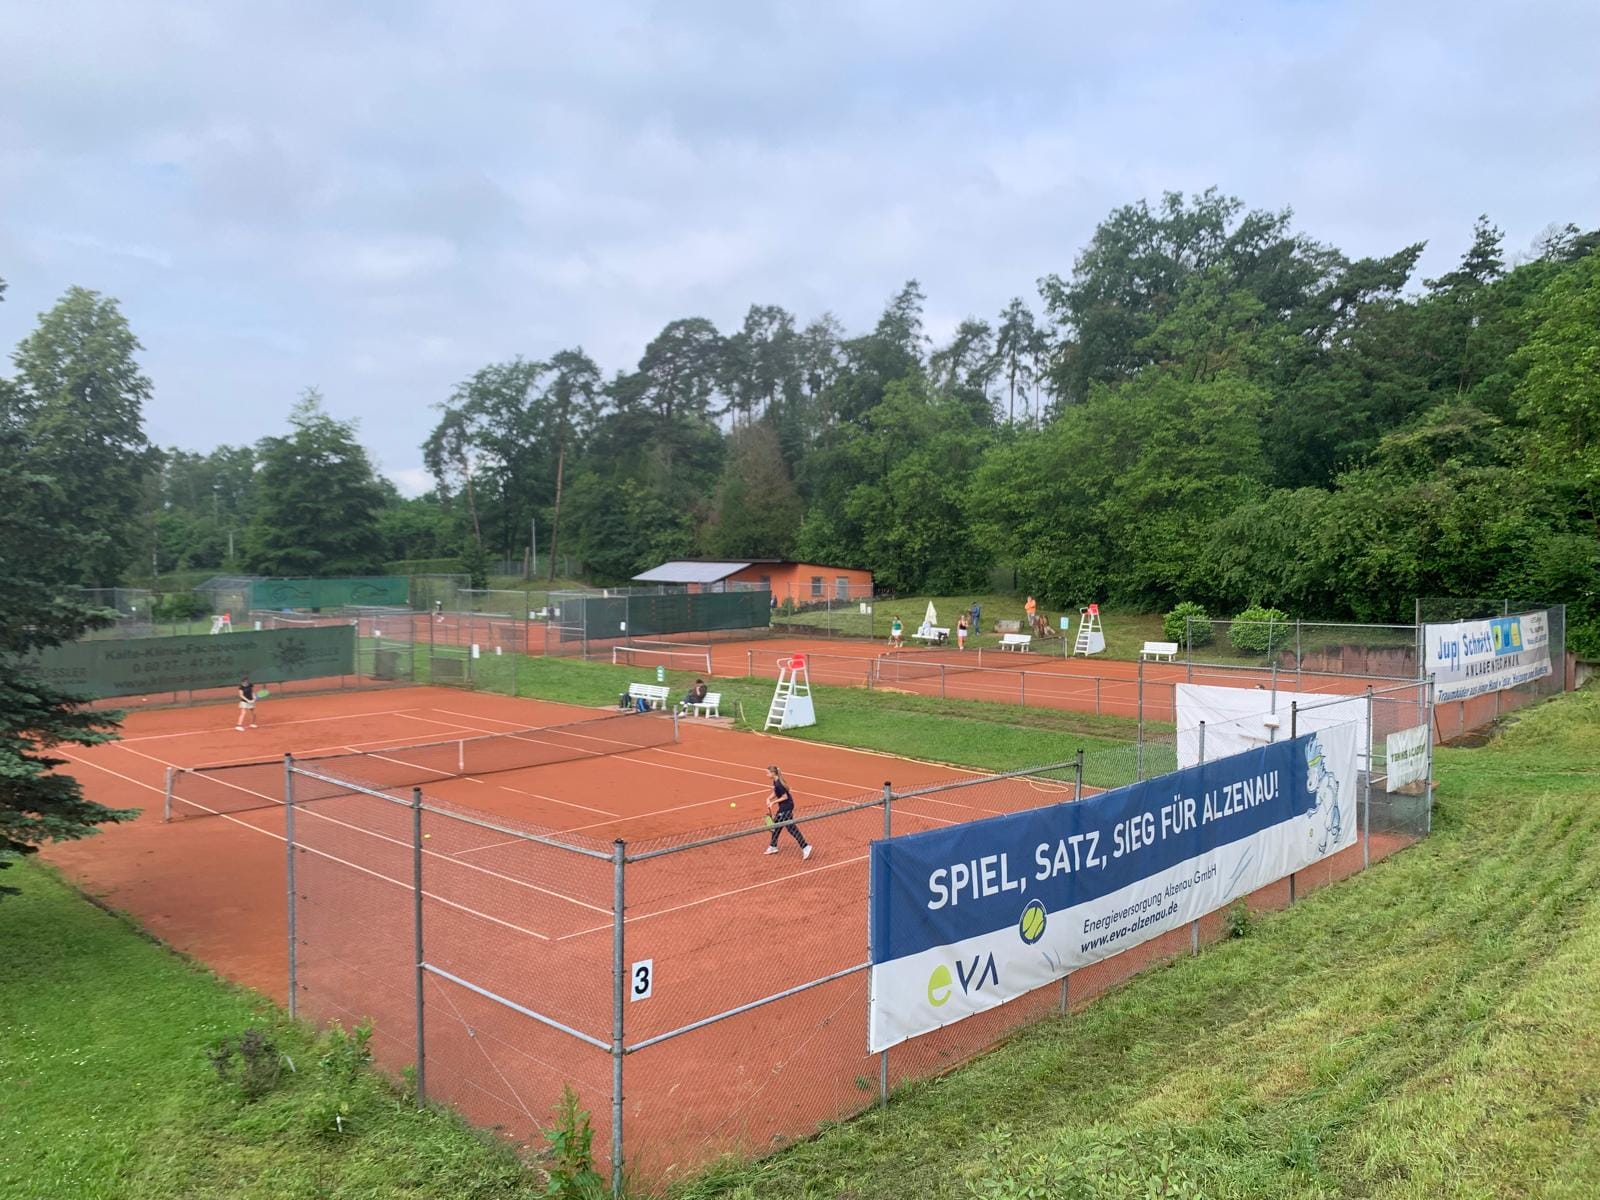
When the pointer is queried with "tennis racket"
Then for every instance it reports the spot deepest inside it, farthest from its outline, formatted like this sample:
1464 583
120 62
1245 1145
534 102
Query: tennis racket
262 693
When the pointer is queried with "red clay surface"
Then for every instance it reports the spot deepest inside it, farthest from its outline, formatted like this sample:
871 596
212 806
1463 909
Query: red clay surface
723 925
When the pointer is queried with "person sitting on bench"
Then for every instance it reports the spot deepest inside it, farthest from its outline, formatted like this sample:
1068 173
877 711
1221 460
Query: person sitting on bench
695 695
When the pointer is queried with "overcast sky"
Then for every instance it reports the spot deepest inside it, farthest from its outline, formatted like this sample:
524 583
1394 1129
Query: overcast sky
379 198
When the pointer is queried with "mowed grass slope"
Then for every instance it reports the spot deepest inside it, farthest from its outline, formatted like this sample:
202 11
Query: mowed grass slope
1428 1029
106 1090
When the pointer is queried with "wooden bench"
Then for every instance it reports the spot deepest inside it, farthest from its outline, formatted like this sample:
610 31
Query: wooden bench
654 693
1016 641
1160 651
711 706
936 633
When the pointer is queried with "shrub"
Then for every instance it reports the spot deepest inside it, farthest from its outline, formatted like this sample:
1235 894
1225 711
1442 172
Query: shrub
1260 630
568 1157
1240 920
250 1060
1187 624
180 606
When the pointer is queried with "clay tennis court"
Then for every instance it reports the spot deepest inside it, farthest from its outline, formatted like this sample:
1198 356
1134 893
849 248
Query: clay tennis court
726 924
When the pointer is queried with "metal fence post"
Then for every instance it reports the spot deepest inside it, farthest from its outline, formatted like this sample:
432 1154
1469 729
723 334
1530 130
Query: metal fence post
1366 798
166 795
1065 998
618 999
1200 761
1077 777
416 926
1294 732
749 664
941 681
883 1056
1138 766
1098 711
1429 782
288 844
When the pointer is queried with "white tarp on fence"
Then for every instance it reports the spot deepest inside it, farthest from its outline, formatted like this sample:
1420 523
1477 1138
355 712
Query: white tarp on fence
1244 718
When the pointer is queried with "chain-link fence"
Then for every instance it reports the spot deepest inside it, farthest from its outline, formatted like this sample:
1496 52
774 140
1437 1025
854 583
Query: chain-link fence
701 1003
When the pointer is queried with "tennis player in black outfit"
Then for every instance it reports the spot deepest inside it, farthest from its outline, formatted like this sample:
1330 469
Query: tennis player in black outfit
780 807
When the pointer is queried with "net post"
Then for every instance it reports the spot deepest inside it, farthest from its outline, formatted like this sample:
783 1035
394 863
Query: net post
883 1055
1366 795
1077 777
166 795
1098 711
749 664
674 724
416 926
941 681
1022 687
618 999
288 845
461 755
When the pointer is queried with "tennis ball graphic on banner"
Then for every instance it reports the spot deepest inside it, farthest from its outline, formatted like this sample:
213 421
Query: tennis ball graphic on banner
1030 927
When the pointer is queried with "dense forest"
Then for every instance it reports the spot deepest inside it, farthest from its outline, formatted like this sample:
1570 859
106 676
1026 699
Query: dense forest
1210 406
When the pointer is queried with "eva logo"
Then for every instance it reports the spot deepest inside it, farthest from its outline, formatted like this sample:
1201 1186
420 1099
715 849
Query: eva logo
970 976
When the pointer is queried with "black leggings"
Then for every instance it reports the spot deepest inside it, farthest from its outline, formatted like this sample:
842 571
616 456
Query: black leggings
786 813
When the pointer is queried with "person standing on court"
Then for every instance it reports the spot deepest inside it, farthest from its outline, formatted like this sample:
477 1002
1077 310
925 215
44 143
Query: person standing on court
961 632
247 703
977 618
896 630
780 808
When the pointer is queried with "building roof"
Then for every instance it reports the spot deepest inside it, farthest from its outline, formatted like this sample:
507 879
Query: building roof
690 570
686 571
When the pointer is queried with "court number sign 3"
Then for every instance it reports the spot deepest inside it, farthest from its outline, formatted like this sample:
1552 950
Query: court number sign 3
642 979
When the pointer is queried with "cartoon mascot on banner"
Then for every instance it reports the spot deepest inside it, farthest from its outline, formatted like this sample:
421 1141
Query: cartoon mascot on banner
1324 811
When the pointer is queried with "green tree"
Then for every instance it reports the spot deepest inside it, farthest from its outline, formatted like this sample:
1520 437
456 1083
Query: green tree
79 397
1559 395
317 512
37 803
758 509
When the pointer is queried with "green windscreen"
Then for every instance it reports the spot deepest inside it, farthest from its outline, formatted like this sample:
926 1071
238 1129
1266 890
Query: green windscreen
140 666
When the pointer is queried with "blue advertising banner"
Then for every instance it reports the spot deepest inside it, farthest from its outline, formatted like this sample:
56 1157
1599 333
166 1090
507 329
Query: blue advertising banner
969 917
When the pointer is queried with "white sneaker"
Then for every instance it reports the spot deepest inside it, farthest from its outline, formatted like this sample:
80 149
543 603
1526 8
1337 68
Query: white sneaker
238 728
772 849
806 853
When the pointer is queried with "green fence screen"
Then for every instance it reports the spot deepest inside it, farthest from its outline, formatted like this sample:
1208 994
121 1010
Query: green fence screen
147 666
388 590
594 618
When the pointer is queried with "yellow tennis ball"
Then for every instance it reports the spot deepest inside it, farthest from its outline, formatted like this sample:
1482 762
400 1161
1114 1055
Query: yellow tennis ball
426 836
733 804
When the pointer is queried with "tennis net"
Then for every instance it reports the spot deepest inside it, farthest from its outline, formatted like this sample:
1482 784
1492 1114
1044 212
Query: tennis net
674 656
244 787
913 666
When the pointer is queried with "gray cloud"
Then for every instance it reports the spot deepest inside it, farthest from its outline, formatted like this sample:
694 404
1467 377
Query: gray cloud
377 199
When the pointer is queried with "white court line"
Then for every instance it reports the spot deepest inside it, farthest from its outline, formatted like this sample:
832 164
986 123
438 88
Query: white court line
274 802
660 912
857 788
675 808
389 712
404 885
446 776
392 742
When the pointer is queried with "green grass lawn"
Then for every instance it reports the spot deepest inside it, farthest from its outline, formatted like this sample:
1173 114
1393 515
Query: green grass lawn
1125 632
106 1089
1428 1029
